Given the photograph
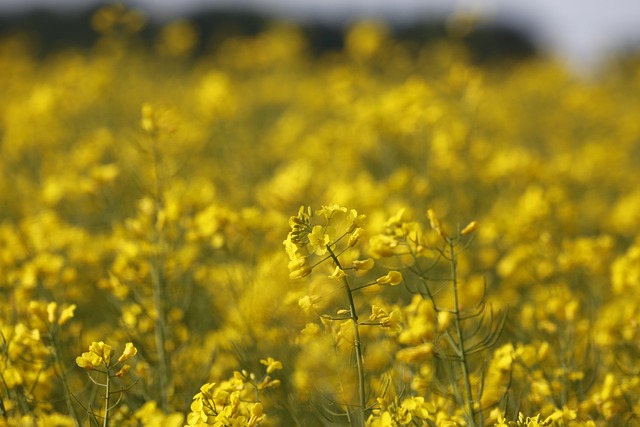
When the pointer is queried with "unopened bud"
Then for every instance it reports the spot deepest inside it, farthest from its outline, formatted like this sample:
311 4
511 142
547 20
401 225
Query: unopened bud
353 239
470 228
435 223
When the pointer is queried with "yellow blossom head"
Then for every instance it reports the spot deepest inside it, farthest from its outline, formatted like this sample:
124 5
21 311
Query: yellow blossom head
99 354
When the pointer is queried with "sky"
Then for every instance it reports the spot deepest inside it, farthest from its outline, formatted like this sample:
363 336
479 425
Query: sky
581 32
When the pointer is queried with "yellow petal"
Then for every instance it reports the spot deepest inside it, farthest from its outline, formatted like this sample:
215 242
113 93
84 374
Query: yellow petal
123 370
66 314
52 307
338 274
395 278
128 353
363 265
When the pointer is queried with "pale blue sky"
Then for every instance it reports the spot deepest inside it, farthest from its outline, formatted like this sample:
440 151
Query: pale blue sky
580 31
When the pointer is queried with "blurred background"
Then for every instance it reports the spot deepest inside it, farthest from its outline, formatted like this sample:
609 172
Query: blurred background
582 33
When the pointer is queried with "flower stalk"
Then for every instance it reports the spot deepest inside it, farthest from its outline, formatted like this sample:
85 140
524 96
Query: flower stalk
99 359
460 346
356 338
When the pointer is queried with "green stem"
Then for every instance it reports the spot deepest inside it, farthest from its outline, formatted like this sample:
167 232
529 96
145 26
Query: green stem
160 336
63 375
458 323
356 340
159 286
105 420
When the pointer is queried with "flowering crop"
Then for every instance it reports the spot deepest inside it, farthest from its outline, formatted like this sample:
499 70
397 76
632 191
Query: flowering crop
467 252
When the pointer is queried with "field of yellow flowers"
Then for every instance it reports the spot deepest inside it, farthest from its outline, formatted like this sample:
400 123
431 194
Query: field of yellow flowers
388 235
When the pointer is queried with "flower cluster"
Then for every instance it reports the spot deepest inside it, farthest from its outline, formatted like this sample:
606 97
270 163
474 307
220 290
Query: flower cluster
228 403
99 357
306 239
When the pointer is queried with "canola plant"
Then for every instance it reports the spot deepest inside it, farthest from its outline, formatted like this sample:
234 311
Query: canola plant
388 235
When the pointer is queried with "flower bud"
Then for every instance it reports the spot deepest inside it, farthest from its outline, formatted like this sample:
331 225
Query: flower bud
123 370
353 239
470 228
66 314
338 274
52 308
435 223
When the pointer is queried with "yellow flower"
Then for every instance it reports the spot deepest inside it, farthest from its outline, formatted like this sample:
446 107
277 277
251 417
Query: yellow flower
271 364
99 353
329 211
338 274
355 219
390 321
206 391
391 278
311 330
128 353
396 220
66 314
123 370
353 239
297 263
376 312
101 350
395 277
500 421
363 265
299 273
291 248
308 301
52 308
318 240
88 361
257 415
382 245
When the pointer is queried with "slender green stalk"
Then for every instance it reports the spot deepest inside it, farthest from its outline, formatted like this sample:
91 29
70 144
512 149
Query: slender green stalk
63 376
356 340
461 349
107 392
159 287
160 336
